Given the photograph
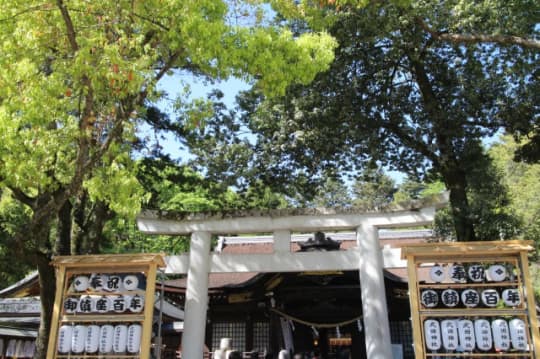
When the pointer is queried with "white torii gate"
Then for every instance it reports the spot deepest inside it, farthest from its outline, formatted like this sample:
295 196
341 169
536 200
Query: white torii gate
367 257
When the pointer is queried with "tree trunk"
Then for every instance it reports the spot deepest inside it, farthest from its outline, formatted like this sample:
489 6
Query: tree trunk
447 163
63 239
90 223
456 183
102 214
47 291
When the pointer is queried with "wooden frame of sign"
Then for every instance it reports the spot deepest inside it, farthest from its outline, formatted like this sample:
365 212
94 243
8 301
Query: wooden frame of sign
125 284
443 317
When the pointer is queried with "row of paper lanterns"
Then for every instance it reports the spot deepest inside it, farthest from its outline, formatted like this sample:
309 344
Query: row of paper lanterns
103 304
476 273
107 338
102 282
470 297
467 335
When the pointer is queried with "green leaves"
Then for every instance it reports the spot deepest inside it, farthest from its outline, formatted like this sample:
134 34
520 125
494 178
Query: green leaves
72 77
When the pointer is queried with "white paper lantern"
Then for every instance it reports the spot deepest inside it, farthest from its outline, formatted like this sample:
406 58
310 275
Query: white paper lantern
476 273
518 334
86 305
80 283
135 303
91 344
432 334
511 297
119 303
71 305
98 281
134 338
470 297
450 298
490 297
78 339
482 333
501 335
106 338
103 304
497 272
437 273
131 282
449 330
429 298
466 334
120 338
457 273
113 283
64 338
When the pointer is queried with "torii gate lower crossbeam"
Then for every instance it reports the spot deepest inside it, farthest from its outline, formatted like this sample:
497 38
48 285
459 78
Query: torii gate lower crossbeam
368 258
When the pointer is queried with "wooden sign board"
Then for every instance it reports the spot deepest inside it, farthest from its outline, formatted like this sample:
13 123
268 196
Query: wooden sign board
103 306
472 300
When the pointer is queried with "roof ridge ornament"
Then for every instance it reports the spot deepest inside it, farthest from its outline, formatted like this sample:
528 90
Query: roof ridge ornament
319 242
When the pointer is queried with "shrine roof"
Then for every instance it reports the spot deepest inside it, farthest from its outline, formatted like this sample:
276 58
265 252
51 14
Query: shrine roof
264 244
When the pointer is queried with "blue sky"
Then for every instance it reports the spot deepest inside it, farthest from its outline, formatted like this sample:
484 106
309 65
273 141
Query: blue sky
199 89
173 85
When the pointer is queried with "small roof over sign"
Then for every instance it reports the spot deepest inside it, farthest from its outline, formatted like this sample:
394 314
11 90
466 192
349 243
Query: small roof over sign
111 260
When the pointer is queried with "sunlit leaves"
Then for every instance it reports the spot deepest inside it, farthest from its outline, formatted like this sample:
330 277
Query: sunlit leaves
75 78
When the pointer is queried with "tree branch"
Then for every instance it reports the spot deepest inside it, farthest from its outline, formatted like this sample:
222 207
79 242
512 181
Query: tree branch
479 38
168 65
43 7
145 18
23 197
69 25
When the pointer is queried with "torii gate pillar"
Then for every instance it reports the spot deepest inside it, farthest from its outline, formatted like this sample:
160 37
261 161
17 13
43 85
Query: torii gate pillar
196 295
375 314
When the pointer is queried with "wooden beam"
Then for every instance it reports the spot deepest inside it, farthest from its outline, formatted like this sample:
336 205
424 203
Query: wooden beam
457 249
152 223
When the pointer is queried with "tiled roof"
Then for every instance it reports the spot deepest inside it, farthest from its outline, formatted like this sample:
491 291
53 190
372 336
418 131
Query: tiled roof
264 244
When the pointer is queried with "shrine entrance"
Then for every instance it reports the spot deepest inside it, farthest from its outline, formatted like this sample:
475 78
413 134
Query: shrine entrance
368 258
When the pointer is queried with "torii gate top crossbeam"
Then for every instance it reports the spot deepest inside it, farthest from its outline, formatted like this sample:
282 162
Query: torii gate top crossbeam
416 213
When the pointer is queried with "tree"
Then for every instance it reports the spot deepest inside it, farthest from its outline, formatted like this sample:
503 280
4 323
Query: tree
399 96
466 31
523 182
74 79
489 201
333 193
374 190
13 216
